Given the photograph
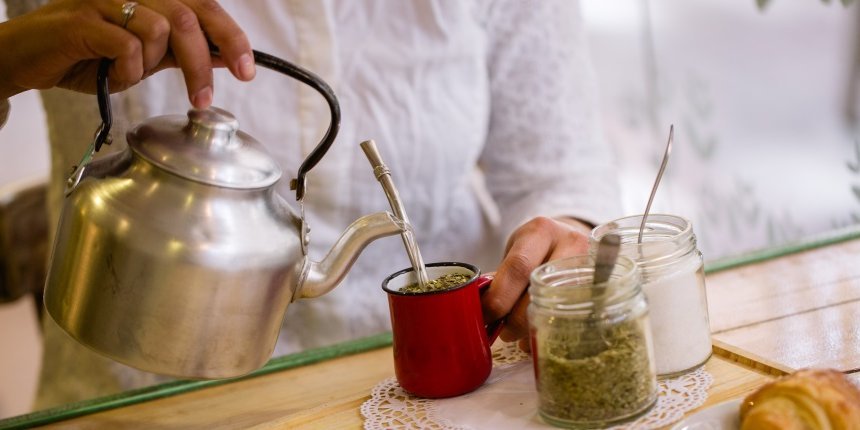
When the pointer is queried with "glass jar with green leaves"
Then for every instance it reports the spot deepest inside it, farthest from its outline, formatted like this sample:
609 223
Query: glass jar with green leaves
594 359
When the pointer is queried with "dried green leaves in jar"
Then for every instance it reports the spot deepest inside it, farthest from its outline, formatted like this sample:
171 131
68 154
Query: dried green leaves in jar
594 359
575 385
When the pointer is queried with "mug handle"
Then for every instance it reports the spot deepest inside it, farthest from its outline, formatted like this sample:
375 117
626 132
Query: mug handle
494 328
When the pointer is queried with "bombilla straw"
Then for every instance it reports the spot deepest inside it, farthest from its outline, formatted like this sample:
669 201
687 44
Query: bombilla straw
383 175
657 181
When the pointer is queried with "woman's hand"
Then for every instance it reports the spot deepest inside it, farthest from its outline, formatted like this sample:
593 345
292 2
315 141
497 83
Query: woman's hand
534 243
62 43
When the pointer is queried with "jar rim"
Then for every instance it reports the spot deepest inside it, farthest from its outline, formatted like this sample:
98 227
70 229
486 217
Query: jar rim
567 284
666 238
670 227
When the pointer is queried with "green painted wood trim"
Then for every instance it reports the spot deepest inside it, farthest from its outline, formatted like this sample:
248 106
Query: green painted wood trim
824 239
167 389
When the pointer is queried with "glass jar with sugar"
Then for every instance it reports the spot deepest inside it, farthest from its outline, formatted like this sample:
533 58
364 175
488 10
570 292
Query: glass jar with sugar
673 280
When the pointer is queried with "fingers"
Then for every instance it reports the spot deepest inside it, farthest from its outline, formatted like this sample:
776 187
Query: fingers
160 34
525 345
228 37
153 30
61 44
190 48
188 19
105 40
183 27
150 28
521 257
536 242
517 324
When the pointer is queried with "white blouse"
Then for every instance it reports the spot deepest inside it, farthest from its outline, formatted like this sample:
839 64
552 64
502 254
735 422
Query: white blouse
483 110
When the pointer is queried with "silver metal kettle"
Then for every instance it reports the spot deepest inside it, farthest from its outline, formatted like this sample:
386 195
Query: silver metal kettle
176 256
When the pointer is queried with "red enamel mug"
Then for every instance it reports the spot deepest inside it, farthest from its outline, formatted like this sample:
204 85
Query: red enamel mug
441 344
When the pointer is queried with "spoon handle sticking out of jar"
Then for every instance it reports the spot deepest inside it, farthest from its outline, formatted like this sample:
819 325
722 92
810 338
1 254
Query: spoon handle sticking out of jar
383 175
594 339
657 181
607 254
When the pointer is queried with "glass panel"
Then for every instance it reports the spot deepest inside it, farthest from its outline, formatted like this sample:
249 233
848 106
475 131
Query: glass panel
764 99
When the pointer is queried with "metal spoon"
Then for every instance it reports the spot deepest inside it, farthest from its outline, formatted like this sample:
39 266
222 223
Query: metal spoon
607 254
657 181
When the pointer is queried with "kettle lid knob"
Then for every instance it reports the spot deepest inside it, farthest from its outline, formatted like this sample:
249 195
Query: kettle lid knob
206 146
220 125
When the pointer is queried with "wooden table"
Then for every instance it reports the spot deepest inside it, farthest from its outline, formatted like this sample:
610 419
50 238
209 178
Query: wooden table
771 312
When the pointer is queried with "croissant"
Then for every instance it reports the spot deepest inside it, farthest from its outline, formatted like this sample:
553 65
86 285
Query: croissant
808 399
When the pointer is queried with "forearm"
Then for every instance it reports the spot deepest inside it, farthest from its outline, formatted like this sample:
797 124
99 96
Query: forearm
7 89
8 60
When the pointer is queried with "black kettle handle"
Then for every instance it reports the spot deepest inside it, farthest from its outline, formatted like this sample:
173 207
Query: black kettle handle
269 62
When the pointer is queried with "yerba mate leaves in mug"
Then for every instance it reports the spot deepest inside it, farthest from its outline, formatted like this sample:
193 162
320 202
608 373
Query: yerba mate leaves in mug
441 283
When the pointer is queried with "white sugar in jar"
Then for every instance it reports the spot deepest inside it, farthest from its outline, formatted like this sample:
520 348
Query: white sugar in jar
673 280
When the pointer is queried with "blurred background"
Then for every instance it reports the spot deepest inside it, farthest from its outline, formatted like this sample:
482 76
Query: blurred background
763 96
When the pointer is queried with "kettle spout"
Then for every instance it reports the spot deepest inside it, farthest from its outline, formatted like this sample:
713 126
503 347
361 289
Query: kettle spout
321 277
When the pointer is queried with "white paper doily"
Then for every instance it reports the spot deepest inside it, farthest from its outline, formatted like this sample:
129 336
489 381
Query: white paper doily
508 400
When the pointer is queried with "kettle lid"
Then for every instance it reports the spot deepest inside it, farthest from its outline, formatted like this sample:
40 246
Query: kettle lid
206 147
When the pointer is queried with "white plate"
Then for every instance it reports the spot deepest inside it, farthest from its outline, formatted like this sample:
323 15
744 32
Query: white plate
722 416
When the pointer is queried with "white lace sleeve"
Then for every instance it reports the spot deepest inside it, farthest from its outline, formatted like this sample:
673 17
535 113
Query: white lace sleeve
543 154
